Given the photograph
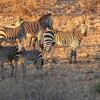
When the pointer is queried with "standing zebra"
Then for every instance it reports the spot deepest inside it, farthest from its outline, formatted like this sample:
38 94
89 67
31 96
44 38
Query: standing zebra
33 55
9 54
37 28
11 34
47 42
72 39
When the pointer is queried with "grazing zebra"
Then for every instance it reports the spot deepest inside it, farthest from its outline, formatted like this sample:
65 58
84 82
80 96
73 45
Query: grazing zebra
11 34
36 28
72 39
9 54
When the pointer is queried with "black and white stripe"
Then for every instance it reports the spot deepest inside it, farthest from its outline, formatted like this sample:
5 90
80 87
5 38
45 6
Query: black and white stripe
11 34
47 43
72 39
9 54
33 55
39 26
48 40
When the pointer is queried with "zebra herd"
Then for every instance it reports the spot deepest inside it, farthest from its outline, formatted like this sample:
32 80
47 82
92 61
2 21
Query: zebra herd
43 33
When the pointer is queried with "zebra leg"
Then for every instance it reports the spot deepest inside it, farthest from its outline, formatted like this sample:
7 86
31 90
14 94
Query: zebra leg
46 56
52 57
23 67
70 57
19 44
36 65
16 68
33 43
64 50
12 71
42 62
2 70
30 45
74 56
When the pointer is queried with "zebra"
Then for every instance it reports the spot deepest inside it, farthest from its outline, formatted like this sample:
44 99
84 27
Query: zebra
47 42
10 35
72 39
9 54
33 55
37 28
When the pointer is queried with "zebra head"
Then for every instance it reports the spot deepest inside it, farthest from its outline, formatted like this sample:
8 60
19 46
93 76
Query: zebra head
46 21
83 28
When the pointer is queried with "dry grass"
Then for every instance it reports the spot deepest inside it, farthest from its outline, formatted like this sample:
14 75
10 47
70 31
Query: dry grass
62 82
59 81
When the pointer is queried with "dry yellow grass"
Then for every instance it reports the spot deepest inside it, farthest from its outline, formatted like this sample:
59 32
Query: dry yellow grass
59 81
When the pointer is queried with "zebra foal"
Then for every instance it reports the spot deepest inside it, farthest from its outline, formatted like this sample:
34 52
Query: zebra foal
33 55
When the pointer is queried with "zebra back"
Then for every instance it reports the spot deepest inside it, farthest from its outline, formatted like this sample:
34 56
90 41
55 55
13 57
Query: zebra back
72 38
11 34
33 55
33 27
63 38
8 53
